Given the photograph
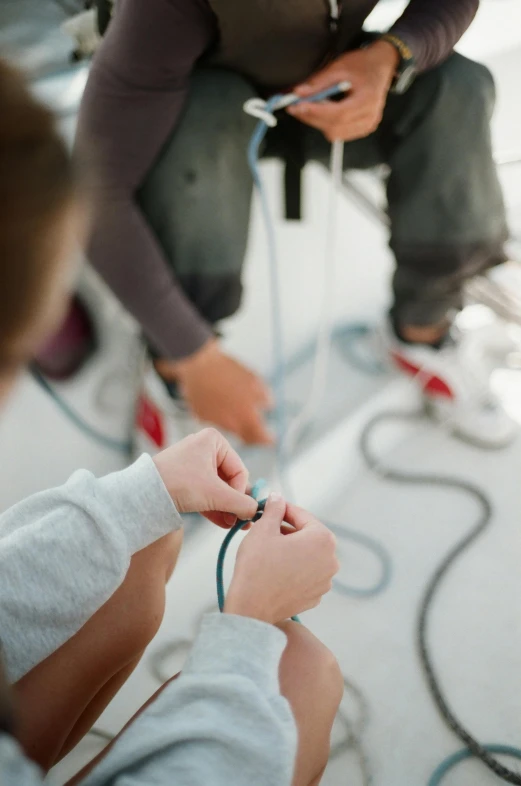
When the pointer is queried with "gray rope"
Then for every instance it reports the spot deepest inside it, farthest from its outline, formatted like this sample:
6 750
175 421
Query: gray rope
484 520
355 729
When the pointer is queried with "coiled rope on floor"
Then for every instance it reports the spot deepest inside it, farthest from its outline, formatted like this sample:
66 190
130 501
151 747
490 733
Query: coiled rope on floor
485 753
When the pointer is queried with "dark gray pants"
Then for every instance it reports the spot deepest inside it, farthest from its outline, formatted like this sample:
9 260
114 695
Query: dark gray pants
444 198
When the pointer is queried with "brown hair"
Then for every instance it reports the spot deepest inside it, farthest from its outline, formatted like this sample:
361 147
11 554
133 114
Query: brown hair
36 182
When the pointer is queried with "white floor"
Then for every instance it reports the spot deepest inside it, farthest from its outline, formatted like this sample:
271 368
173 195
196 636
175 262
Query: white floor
476 630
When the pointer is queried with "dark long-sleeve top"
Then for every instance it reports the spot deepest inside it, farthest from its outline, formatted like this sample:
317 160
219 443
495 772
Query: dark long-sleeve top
135 92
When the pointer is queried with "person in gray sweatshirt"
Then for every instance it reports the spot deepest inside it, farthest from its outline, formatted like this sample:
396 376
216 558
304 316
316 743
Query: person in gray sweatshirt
83 567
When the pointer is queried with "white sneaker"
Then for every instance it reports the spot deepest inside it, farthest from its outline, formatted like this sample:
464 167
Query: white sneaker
455 381
500 338
161 419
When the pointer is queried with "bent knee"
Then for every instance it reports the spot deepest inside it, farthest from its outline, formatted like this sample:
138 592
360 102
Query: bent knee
143 590
470 83
159 559
210 138
307 658
170 551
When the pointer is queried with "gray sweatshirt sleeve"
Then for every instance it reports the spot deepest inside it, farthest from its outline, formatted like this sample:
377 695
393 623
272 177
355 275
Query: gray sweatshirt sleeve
222 722
64 552
15 767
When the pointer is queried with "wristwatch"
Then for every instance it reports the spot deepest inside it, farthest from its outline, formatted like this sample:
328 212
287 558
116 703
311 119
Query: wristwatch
406 70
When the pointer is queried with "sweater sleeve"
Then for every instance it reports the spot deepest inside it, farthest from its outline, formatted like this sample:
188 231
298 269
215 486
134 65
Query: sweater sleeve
64 552
132 101
15 768
222 722
433 27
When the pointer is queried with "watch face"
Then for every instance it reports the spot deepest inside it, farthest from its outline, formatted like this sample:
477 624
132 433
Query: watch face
405 78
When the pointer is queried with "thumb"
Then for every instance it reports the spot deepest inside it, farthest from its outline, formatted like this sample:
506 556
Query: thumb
274 513
228 500
327 77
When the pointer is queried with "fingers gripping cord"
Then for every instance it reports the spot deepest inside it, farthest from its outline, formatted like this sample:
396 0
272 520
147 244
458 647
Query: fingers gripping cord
255 493
226 542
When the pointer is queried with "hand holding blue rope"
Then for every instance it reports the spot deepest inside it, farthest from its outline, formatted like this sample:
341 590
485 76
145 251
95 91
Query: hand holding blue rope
255 493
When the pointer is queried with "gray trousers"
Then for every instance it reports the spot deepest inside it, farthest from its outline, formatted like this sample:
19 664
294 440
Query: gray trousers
444 198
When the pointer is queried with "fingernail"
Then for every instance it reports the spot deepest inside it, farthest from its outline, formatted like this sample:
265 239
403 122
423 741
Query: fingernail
275 496
305 88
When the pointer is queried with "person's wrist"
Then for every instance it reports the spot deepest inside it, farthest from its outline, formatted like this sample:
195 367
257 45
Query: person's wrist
197 359
387 57
167 472
244 606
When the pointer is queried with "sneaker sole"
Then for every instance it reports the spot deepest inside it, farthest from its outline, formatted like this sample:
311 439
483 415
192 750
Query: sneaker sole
454 431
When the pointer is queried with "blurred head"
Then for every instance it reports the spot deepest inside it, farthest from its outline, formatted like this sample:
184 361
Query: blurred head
41 219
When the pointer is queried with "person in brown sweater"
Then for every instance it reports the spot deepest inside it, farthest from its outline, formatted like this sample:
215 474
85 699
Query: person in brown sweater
163 113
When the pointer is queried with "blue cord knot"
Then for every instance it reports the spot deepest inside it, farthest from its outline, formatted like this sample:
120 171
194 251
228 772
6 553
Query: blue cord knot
261 504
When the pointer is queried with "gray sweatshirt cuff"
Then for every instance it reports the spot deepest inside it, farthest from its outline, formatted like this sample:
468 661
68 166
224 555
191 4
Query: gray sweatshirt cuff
229 643
141 499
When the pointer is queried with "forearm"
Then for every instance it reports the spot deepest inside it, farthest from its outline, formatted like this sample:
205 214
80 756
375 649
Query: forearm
432 28
65 551
134 96
127 256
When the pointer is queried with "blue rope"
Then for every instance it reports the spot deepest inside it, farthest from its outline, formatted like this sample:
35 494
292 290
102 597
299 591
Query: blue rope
381 554
275 289
117 445
254 150
255 493
452 761
348 336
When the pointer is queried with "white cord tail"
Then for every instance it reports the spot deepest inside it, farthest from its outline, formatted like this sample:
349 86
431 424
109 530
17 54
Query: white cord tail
323 345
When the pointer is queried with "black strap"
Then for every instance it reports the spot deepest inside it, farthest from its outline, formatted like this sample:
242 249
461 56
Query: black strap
104 14
293 155
293 189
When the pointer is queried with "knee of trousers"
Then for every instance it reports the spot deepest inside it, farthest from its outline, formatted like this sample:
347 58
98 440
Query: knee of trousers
211 135
197 195
466 89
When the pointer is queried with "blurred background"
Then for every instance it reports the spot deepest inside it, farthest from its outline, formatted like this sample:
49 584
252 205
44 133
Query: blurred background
476 630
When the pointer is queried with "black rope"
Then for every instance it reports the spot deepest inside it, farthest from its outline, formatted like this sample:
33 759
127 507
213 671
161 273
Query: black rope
435 583
354 731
